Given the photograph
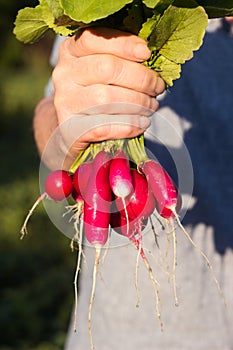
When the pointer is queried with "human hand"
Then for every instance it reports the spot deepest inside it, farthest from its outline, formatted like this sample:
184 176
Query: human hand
97 74
100 69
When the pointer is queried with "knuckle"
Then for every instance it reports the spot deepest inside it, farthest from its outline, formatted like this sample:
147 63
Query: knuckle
85 40
106 69
64 44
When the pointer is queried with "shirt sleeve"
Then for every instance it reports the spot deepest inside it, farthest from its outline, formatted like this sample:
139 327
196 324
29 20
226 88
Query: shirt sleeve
49 89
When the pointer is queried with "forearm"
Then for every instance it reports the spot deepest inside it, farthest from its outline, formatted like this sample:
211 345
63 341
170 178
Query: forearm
50 144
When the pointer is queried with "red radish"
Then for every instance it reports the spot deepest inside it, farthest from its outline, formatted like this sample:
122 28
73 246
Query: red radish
141 203
81 176
97 206
120 176
162 187
58 185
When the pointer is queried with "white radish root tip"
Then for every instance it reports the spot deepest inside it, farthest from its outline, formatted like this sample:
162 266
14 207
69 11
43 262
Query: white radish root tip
95 270
138 245
23 230
202 254
174 261
137 268
80 253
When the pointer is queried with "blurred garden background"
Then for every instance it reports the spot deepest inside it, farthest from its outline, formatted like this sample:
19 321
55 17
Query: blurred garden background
36 274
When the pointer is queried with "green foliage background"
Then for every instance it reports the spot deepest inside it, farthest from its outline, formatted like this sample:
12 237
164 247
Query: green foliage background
36 274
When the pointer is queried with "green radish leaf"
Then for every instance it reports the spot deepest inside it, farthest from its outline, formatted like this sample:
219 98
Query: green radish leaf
55 8
92 10
29 24
51 22
148 27
178 33
167 69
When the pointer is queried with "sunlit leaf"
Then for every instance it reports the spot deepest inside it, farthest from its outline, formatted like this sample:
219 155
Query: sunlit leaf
29 24
89 11
179 32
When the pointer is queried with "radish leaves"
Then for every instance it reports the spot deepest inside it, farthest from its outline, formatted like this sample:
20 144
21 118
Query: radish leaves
30 24
177 33
174 29
89 11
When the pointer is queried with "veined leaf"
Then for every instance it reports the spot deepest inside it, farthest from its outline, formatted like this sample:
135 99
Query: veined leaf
179 31
169 70
49 19
55 8
148 27
92 10
29 24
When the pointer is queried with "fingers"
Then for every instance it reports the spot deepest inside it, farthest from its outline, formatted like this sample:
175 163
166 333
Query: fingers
109 98
112 70
100 68
79 130
109 41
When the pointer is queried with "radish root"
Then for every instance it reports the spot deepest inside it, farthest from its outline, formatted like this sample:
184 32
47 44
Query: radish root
23 230
166 255
203 255
80 253
174 261
95 270
138 246
140 252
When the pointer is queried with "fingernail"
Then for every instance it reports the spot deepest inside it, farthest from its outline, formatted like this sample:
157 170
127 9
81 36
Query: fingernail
141 51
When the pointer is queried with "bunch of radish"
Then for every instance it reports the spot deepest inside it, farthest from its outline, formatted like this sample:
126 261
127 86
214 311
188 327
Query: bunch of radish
116 188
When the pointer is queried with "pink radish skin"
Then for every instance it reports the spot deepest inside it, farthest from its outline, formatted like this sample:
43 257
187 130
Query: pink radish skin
119 176
97 201
162 187
141 202
58 185
81 176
